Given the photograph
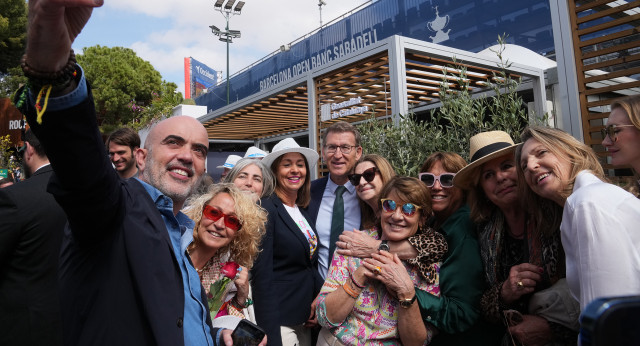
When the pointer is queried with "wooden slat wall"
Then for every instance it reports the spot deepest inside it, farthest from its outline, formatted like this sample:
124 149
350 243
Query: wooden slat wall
606 43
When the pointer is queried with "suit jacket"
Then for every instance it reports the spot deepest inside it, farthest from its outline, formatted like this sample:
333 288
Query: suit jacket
317 190
119 278
284 277
31 226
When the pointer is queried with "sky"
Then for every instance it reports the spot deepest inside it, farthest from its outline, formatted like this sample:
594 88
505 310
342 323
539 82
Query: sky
164 32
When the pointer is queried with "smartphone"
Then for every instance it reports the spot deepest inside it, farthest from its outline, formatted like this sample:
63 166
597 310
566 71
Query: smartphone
247 333
611 321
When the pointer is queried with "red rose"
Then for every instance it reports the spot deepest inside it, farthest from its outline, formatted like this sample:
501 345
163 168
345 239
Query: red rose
229 269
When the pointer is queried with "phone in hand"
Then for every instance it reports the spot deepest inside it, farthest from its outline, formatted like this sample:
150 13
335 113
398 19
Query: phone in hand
247 333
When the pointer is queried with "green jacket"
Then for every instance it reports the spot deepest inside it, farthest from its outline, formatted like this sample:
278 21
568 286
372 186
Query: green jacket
456 312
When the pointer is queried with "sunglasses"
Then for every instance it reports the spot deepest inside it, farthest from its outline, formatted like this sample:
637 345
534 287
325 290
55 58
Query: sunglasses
610 130
368 175
408 209
445 179
214 214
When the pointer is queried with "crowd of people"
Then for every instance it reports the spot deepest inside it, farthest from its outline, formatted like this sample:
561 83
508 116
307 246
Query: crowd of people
506 249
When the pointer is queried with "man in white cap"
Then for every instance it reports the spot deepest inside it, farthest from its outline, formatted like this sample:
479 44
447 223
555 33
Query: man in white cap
228 164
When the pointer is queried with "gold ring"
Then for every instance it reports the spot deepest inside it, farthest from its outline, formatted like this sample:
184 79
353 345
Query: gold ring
520 284
377 270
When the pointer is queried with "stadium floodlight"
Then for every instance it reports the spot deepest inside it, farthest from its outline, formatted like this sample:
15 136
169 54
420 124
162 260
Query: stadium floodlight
225 7
229 5
238 7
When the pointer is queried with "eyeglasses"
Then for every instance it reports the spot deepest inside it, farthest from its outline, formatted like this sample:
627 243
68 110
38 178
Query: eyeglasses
345 149
368 174
408 209
610 130
214 214
445 179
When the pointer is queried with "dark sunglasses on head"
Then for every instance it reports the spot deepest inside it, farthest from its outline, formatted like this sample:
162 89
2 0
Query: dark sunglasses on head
408 209
610 130
214 214
445 179
368 175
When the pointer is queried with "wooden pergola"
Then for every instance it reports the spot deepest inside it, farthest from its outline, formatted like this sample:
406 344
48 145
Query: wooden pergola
388 79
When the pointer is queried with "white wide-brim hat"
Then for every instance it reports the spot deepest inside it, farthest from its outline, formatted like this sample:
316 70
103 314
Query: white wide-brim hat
255 153
289 145
483 147
231 161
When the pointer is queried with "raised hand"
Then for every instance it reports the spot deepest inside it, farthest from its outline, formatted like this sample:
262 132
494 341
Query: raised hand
53 26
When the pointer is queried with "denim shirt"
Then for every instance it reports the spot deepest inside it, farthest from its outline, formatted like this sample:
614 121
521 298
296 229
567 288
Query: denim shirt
180 228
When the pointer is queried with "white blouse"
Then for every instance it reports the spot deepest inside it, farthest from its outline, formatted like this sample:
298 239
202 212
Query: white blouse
601 238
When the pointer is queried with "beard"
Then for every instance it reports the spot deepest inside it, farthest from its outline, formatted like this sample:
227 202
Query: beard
157 176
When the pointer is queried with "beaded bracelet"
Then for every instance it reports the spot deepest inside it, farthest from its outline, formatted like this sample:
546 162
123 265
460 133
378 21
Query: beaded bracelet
58 79
356 283
350 291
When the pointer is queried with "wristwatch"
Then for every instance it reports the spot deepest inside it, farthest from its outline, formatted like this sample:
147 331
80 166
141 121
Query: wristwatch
406 303
384 246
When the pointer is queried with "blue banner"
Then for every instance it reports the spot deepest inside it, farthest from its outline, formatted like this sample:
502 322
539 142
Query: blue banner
203 74
471 25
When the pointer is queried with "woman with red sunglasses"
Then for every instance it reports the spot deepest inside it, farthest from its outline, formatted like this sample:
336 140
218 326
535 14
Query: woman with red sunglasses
229 227
372 301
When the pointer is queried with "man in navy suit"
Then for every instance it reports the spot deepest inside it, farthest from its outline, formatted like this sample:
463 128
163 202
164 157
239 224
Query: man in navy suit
125 276
30 236
341 151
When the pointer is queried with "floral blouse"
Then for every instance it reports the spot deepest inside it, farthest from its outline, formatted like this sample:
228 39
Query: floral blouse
374 318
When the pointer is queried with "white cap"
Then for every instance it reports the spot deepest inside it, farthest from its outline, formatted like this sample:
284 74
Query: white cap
230 162
255 153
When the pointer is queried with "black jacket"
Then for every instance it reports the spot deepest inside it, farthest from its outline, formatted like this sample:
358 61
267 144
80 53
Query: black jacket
119 278
31 227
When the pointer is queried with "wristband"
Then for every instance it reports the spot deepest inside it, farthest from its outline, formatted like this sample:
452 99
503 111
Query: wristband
349 291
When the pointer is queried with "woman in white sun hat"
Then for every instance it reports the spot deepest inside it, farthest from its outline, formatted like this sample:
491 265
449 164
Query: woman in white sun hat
285 280
519 258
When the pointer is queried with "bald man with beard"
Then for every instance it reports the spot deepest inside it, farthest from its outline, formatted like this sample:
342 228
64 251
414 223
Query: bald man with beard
125 276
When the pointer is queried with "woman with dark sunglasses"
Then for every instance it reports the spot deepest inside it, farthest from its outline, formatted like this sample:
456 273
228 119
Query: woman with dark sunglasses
372 301
229 227
621 136
518 259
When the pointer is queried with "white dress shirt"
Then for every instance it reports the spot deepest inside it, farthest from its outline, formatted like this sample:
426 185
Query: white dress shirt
323 222
601 238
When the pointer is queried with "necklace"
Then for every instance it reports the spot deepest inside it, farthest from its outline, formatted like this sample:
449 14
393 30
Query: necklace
199 271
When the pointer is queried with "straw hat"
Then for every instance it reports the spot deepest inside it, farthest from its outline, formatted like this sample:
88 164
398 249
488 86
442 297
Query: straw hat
483 147
230 162
289 145
255 153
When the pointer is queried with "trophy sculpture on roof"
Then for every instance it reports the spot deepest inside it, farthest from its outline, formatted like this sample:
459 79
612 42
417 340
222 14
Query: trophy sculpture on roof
437 25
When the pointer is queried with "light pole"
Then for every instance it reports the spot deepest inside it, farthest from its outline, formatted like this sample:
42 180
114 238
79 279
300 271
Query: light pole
320 4
227 35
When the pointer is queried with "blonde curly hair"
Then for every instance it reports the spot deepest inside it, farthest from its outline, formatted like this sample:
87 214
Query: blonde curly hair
244 247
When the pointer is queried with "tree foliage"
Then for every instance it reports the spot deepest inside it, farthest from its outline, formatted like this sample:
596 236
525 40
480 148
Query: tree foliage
127 89
449 128
13 33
